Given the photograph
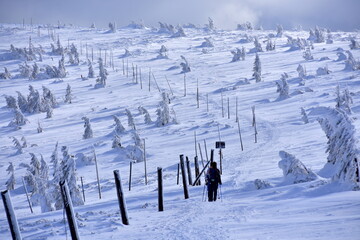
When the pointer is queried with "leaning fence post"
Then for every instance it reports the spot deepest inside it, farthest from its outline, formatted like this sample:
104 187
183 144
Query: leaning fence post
188 170
97 174
197 170
121 198
11 217
27 195
82 187
69 210
183 175
160 190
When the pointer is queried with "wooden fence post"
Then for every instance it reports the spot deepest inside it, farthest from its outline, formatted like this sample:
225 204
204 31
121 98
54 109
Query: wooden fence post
97 175
172 93
131 163
27 195
156 83
121 199
212 155
160 190
207 158
197 170
222 105
178 174
149 79
188 170
254 123
82 187
228 103
146 180
201 156
69 210
197 94
183 175
241 143
11 217
140 78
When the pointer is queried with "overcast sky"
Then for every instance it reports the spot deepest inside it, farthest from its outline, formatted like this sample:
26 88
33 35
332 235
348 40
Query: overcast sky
333 14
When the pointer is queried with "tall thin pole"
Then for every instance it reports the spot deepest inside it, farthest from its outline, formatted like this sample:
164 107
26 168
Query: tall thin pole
97 175
195 143
172 93
160 190
121 198
228 103
140 78
207 157
201 156
241 143
222 105
131 163
237 116
149 78
184 85
197 94
156 82
27 195
207 102
82 187
183 174
146 181
123 65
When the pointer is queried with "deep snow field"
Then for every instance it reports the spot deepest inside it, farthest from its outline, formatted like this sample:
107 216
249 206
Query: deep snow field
320 209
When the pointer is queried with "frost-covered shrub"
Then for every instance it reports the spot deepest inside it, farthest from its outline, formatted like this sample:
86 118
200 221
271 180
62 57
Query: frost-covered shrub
354 44
10 183
25 70
297 43
247 39
329 39
317 35
283 87
22 102
74 55
257 46
164 114
245 26
49 97
343 100
342 147
210 26
119 128
261 184
322 71
166 28
304 116
34 101
270 45
6 74
135 153
207 43
17 145
88 133
294 170
112 27
131 122
351 64
257 69
116 141
58 50
19 119
179 33
11 102
307 55
147 118
163 53
91 73
301 71
136 25
185 65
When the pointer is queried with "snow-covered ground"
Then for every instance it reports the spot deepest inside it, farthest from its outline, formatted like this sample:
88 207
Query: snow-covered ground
319 209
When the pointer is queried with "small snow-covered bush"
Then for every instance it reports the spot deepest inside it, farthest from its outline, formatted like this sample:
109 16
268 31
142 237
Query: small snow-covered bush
238 54
294 170
185 65
207 43
261 184
322 71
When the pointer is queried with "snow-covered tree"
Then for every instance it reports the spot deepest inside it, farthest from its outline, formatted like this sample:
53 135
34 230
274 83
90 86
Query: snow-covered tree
257 69
301 71
137 139
22 102
69 175
25 70
112 27
342 148
245 26
91 73
329 39
34 101
147 118
61 71
207 43
238 54
11 102
354 44
39 128
116 141
283 87
307 55
257 46
88 133
131 122
163 53
210 26
179 33
101 80
68 95
304 116
351 64
6 74
163 112
343 100
294 170
10 183
74 55
49 97
279 31
119 128
17 145
319 35
185 65
19 119
48 109
35 72
270 45
23 139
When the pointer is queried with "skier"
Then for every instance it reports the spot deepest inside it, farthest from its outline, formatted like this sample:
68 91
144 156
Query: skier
213 180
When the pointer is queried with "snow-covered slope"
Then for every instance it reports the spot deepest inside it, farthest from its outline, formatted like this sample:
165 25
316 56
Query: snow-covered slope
319 209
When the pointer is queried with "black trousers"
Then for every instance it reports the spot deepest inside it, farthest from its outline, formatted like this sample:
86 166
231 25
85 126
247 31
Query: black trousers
212 192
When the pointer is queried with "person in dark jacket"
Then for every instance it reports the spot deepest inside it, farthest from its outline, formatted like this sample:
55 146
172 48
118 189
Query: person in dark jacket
213 179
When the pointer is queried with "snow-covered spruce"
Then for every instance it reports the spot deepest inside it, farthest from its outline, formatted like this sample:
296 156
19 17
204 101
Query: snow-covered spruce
19 119
304 116
207 43
238 54
147 118
10 183
257 46
307 55
49 97
283 87
101 80
354 44
131 122
185 65
245 26
39 128
323 71
270 45
74 55
112 27
257 69
351 64
68 95
343 100
116 143
119 128
88 133
164 114
342 148
179 33
6 74
163 53
210 26
294 170
91 73
279 31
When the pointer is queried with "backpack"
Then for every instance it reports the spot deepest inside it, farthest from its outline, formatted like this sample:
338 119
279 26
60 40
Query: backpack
213 176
